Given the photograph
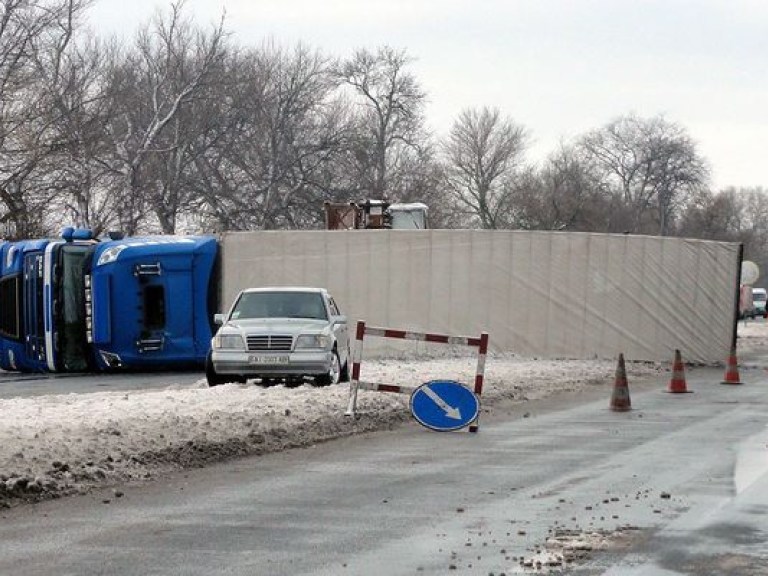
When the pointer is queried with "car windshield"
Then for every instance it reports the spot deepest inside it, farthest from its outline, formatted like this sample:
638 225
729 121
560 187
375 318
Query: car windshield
759 296
280 305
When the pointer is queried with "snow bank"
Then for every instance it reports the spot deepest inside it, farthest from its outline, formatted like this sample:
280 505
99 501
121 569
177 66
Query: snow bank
62 444
752 338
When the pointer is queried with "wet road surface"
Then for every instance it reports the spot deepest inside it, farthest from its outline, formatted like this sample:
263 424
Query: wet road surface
675 486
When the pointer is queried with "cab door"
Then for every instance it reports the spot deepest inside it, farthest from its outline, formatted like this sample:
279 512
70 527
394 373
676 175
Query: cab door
166 292
152 306
341 332
35 310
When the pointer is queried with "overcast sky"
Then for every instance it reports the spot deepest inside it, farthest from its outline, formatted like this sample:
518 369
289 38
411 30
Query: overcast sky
558 67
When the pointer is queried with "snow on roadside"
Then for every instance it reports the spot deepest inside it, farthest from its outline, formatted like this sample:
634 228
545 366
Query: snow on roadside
61 444
752 337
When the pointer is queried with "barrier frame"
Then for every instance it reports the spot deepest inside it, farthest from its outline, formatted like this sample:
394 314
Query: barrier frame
481 343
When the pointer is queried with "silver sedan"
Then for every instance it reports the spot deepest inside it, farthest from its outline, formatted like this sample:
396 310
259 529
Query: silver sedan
280 334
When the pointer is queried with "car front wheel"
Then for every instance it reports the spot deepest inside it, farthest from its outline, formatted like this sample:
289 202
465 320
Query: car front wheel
213 378
333 375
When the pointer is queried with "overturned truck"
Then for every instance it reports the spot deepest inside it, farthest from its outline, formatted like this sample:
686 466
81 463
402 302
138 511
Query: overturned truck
76 304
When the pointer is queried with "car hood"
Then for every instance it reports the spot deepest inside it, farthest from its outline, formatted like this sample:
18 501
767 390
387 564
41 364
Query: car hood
277 325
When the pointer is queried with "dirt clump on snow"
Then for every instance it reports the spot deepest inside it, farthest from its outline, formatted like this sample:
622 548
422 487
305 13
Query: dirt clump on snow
70 443
567 547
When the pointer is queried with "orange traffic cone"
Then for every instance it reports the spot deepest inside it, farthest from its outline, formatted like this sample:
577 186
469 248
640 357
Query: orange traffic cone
677 384
620 401
732 369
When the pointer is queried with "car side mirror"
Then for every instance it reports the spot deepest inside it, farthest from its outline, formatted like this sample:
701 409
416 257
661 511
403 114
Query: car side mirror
340 319
218 319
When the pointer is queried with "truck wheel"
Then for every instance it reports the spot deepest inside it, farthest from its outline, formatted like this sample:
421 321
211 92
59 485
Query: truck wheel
333 375
214 379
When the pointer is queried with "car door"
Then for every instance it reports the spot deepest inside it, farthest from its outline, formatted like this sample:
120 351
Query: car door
341 333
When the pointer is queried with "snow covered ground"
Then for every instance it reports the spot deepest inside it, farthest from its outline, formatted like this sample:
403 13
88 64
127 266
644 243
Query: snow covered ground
60 444
752 337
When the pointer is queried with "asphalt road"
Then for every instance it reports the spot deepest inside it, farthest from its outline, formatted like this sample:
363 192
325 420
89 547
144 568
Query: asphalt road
14 384
683 476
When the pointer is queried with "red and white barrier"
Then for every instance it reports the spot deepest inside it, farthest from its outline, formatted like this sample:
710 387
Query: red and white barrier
481 343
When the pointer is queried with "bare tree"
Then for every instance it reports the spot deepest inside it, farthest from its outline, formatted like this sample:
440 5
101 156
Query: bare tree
732 215
153 87
286 152
714 217
392 118
27 27
185 131
70 79
483 151
652 165
564 194
303 129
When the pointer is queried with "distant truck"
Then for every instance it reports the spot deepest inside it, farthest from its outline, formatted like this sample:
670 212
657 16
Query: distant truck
746 303
759 298
376 214
76 304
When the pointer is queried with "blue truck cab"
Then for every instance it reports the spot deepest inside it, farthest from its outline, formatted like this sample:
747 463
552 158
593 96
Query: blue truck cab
76 304
150 301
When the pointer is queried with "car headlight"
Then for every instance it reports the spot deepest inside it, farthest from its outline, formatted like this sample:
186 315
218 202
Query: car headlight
229 342
312 341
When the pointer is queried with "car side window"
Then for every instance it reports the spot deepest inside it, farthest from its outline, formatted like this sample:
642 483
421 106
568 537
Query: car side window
334 308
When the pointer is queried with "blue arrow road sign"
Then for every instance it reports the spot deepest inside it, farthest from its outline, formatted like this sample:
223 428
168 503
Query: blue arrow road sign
444 405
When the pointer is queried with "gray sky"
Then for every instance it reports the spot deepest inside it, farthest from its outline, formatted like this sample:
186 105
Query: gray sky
558 67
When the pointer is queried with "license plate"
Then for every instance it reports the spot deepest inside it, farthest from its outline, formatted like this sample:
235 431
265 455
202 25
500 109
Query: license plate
268 359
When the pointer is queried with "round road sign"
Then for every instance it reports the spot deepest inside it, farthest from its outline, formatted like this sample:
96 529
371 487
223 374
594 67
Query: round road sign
444 405
749 272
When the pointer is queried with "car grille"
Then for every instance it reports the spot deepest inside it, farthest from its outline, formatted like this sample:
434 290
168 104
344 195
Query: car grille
277 343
